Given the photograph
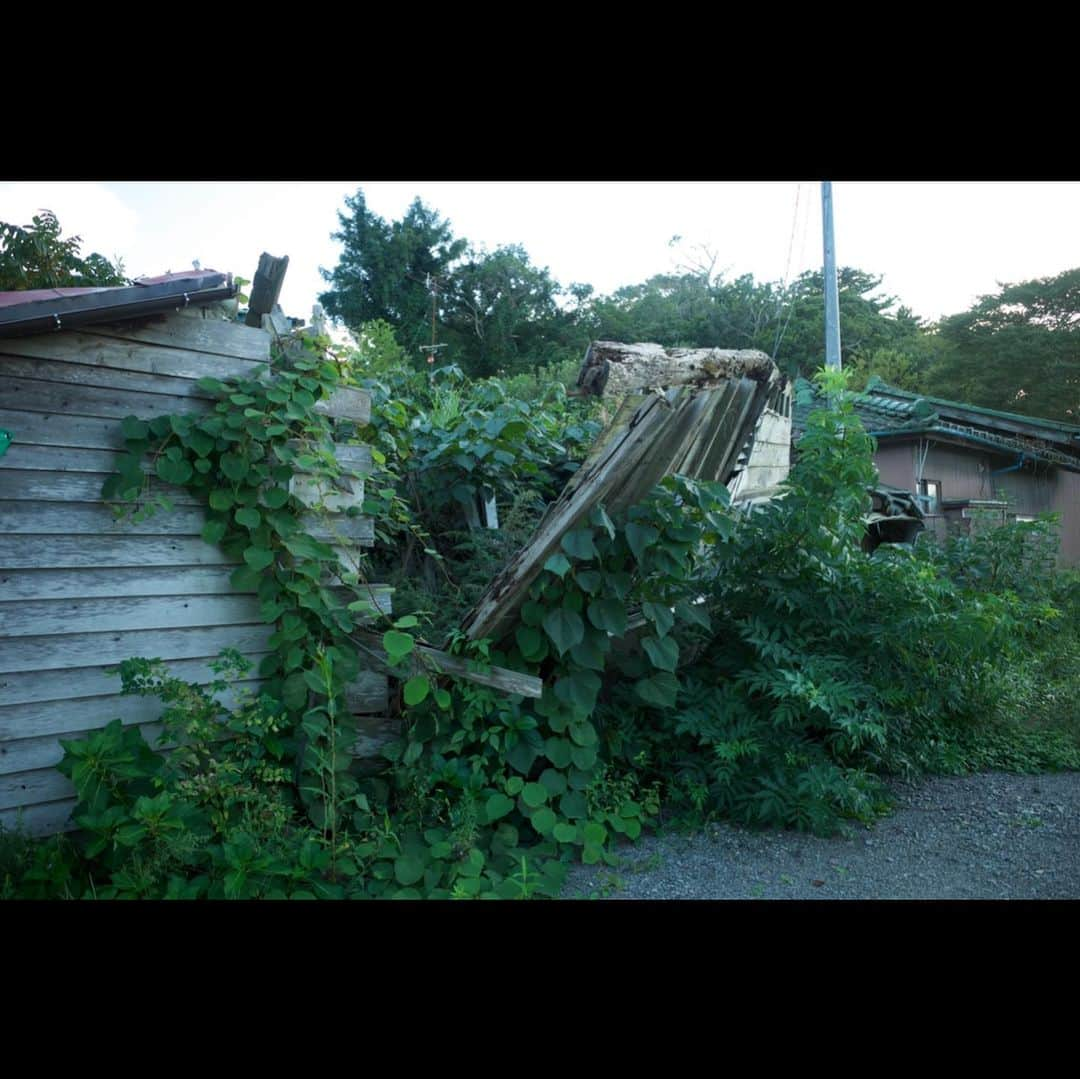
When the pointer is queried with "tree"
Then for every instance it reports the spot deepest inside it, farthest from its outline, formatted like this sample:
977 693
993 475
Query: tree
1017 349
505 315
386 269
33 256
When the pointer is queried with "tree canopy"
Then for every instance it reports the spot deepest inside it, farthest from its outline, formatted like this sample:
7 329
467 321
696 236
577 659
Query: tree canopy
1017 349
34 256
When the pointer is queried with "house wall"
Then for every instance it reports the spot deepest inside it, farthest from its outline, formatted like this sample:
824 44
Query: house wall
80 589
969 474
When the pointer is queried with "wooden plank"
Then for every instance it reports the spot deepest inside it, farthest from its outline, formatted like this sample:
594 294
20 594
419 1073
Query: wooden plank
337 529
373 733
48 617
28 754
349 458
101 377
62 718
94 349
29 486
97 649
432 659
335 495
40 584
59 458
73 552
369 693
277 323
56 429
32 788
39 820
95 519
30 395
197 335
29 687
266 287
346 404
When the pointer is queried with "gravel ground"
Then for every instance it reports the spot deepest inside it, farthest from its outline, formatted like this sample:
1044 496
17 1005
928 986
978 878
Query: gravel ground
988 836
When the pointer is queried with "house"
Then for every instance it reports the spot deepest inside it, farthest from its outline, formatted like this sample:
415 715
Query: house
967 464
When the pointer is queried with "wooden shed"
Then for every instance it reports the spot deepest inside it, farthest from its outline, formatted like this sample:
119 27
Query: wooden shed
80 589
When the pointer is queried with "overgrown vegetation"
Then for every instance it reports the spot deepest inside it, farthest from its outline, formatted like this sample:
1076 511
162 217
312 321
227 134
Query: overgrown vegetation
34 256
696 663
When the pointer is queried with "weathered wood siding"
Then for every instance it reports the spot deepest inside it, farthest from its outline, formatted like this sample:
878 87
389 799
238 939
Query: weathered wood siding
80 589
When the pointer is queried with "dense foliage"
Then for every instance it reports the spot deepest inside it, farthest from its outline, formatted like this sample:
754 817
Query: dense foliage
696 662
34 256
1017 350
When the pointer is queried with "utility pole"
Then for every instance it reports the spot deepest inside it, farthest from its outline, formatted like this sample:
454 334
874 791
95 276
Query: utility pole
832 297
433 349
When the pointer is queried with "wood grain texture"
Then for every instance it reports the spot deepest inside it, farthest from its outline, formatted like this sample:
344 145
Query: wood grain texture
30 485
73 552
30 687
40 820
68 399
95 519
219 338
44 618
346 404
99 350
71 650
98 376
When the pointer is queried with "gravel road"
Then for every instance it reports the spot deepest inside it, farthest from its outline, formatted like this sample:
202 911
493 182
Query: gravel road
987 836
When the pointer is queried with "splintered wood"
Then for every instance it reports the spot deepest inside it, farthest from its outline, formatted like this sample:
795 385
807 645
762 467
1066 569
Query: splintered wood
696 428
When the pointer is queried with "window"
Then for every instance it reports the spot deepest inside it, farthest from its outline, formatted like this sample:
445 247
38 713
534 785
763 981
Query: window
930 495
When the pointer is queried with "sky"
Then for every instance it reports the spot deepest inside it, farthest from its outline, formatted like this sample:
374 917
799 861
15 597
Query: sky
937 245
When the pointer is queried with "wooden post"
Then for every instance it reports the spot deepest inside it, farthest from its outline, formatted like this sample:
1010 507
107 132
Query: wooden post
266 287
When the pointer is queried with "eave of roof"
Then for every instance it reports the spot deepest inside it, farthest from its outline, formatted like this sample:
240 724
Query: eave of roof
48 310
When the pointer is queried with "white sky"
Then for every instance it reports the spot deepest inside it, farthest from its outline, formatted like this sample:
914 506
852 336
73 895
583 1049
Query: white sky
937 245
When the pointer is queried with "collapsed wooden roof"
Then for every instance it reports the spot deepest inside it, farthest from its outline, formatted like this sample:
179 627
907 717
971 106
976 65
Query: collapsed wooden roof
685 411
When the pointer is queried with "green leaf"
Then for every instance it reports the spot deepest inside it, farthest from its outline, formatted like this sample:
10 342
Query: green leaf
579 544
589 580
693 612
579 690
660 616
233 466
534 794
661 690
174 472
640 537
397 645
554 782
532 614
408 869
573 805
557 750
588 652
275 497
565 628
608 615
498 805
258 558
214 531
557 564
220 499
531 642
133 428
583 733
416 690
565 833
663 651
249 518
543 820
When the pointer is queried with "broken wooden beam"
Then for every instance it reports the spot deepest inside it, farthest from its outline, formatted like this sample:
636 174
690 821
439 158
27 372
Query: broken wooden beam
613 370
426 659
266 287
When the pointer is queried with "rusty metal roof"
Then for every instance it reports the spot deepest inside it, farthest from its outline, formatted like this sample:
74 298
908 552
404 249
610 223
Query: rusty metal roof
33 311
